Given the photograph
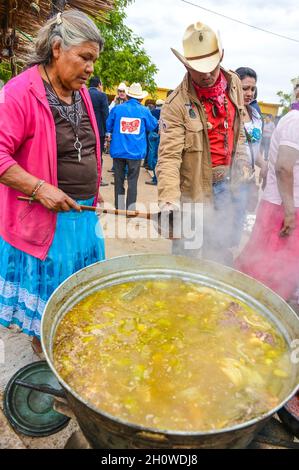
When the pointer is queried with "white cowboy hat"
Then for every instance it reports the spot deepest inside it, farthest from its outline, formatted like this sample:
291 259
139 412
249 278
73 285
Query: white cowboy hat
160 102
202 48
135 91
122 87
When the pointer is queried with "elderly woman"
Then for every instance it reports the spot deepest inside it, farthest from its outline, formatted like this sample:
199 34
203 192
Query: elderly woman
50 151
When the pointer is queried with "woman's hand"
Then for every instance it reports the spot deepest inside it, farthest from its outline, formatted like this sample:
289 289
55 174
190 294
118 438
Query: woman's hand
263 174
55 200
100 205
289 224
100 199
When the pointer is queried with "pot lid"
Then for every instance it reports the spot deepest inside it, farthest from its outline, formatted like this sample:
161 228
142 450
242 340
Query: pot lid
31 412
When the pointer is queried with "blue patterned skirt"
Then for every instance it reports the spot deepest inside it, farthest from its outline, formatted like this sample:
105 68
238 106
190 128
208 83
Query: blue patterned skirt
26 282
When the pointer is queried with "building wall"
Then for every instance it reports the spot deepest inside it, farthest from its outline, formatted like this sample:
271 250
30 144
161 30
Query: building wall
269 108
160 94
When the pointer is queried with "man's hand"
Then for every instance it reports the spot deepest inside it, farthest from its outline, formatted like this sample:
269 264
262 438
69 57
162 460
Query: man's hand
168 219
284 169
55 200
289 224
169 207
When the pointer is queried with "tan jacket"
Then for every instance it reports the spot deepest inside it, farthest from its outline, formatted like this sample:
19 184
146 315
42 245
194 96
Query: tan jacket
184 167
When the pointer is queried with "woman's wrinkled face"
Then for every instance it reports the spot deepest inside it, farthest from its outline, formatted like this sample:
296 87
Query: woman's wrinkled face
75 65
249 88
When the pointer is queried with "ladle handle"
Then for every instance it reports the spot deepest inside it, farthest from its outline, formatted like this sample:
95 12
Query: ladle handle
142 215
42 388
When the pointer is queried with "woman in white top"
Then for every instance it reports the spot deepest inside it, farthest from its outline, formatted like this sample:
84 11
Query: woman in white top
272 253
253 126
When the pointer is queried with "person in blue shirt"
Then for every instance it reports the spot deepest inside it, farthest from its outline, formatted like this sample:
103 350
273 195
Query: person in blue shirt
127 126
153 143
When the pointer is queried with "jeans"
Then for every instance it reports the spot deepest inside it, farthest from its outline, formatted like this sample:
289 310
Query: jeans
216 225
240 201
266 141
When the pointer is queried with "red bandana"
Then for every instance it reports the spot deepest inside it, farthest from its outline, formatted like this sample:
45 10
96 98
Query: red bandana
215 94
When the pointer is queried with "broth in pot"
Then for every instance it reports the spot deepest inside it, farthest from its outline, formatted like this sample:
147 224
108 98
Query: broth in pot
168 354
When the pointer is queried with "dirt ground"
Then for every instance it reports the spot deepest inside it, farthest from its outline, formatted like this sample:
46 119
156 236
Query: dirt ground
136 229
15 348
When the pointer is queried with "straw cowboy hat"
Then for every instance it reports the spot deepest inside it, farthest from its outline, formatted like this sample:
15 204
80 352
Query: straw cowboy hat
135 91
202 48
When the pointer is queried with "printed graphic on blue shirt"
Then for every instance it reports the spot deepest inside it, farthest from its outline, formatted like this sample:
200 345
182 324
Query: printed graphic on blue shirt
130 125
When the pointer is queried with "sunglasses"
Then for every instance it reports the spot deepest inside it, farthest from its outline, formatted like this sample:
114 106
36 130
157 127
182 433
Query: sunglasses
122 91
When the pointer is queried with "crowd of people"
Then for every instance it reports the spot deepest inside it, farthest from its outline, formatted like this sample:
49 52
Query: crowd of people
127 152
207 144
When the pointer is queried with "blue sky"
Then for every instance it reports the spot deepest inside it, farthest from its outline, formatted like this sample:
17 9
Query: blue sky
162 24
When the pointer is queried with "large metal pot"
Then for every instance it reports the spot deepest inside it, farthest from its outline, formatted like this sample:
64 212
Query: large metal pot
105 431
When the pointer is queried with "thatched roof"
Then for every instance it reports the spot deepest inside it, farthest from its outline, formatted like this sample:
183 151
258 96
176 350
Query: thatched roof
20 20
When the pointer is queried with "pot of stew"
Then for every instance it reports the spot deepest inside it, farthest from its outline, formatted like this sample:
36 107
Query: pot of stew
160 351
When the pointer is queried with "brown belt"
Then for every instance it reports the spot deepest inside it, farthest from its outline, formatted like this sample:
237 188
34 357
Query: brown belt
220 173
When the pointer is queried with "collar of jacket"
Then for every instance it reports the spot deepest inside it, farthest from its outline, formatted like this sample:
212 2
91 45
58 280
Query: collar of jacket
36 84
133 101
190 92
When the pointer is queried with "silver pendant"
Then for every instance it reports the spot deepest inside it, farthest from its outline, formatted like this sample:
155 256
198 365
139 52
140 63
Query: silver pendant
225 125
78 147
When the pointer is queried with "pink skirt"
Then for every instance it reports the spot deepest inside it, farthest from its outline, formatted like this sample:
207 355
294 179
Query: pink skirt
269 258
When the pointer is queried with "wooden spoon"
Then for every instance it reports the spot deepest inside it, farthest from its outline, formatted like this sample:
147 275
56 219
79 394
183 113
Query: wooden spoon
164 227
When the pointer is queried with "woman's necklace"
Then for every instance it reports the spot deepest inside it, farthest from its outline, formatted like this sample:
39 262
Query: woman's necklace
77 144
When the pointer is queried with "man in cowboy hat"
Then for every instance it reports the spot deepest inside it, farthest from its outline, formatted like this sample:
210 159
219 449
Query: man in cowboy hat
121 96
202 150
128 125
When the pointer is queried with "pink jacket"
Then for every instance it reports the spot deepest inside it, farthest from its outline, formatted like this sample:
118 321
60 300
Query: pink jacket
28 137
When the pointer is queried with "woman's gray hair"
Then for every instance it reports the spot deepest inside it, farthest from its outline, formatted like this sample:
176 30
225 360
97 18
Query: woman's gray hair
71 28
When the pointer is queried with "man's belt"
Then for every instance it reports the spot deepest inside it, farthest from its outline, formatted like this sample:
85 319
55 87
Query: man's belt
220 173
